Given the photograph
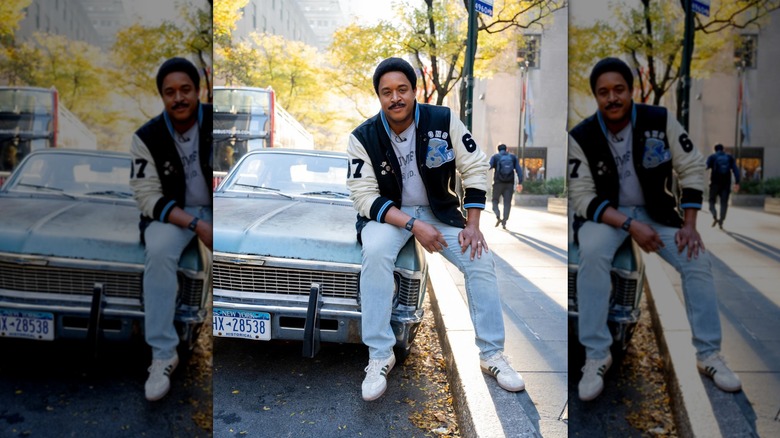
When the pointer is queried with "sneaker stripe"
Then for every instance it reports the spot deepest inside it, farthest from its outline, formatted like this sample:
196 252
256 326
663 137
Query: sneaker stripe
494 370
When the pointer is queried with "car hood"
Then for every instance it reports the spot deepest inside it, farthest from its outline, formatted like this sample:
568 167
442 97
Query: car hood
308 229
84 229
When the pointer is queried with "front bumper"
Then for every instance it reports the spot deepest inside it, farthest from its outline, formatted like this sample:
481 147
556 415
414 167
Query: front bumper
339 318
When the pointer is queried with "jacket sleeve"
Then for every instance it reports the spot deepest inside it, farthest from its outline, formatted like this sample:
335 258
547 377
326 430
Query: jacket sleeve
518 171
363 185
471 162
688 162
146 185
734 169
582 188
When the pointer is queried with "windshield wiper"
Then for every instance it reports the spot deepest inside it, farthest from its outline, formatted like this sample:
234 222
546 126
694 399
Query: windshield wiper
269 189
40 187
110 193
327 192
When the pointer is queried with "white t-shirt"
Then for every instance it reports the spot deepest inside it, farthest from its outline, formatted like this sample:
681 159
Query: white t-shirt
630 191
197 193
404 146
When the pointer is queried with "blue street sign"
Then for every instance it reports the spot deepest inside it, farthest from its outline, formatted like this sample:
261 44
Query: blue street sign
484 6
701 7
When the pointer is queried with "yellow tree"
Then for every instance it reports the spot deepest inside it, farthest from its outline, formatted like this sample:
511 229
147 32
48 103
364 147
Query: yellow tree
138 52
11 13
198 38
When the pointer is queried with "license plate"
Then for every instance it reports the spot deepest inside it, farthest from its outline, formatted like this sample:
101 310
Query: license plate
27 325
241 324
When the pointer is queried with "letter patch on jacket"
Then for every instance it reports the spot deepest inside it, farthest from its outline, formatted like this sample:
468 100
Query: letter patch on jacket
656 151
438 153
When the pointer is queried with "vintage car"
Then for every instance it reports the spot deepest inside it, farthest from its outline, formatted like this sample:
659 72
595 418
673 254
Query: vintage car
286 256
628 281
71 261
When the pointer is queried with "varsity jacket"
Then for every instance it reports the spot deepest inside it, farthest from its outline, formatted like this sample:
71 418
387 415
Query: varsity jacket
660 146
157 175
443 145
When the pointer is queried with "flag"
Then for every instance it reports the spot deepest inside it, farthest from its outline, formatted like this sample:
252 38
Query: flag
528 115
744 111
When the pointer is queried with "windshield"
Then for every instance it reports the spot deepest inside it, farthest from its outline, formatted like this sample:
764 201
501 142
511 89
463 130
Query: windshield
74 174
290 174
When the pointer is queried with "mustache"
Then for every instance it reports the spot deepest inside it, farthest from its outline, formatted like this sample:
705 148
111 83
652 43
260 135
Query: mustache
397 105
180 105
614 105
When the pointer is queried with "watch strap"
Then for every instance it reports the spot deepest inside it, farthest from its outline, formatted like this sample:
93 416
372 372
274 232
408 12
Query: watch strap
409 225
627 224
194 223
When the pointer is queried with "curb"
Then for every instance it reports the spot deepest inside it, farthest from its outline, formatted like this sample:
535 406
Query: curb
475 408
690 404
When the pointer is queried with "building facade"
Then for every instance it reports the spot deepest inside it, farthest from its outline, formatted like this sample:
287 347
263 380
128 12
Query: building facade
107 17
542 72
324 16
59 17
277 17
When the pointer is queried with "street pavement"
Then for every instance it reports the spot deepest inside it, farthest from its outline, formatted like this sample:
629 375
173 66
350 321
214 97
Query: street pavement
746 267
531 264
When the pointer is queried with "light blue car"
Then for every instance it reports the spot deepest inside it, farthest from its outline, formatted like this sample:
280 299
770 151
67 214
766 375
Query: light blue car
71 261
286 257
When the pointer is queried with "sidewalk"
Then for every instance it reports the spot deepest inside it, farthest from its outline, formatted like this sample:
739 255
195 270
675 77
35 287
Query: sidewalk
531 257
746 266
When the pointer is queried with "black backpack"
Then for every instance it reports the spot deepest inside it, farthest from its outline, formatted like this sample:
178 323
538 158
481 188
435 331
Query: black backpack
505 168
722 164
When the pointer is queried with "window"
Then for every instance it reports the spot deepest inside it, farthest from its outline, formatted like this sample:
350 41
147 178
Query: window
530 51
254 16
746 51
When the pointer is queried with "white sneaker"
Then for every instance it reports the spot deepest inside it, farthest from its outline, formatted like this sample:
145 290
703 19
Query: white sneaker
592 382
375 383
715 368
159 382
498 366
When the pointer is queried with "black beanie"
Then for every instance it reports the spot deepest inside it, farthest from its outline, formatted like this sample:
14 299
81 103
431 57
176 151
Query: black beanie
174 65
607 65
394 64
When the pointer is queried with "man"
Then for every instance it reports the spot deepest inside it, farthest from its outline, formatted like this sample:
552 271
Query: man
621 161
171 180
722 165
402 182
506 166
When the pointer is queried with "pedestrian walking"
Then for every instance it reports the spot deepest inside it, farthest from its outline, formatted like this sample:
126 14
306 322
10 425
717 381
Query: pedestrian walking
721 166
402 183
621 164
505 166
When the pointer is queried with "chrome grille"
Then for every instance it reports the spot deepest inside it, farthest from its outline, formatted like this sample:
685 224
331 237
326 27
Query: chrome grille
624 290
408 290
287 281
72 281
191 291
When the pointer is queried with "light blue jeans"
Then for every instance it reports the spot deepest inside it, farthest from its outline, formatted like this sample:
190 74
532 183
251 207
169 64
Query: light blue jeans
164 244
381 244
598 243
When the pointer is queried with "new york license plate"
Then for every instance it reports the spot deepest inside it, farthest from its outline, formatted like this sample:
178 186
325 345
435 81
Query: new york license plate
241 324
28 325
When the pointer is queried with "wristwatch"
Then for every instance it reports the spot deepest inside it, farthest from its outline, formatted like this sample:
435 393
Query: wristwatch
193 224
410 224
627 224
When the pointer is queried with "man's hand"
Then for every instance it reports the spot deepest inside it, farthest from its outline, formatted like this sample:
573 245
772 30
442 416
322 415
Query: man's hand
688 236
645 236
471 236
519 188
736 188
429 237
205 233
